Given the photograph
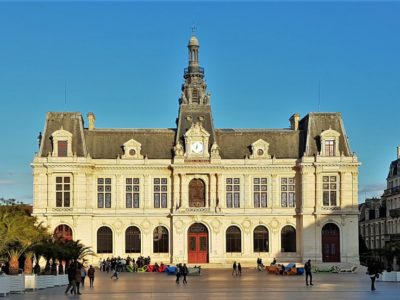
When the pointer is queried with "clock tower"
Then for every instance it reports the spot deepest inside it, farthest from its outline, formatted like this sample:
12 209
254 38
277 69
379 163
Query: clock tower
194 108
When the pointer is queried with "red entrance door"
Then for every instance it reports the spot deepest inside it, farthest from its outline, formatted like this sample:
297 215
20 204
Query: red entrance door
198 247
330 243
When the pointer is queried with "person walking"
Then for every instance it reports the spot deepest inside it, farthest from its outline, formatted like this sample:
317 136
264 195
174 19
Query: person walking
78 278
178 273
115 274
90 274
239 266
307 269
373 272
83 276
71 278
185 272
234 268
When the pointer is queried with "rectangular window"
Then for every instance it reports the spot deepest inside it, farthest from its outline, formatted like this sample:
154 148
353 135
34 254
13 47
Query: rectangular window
63 191
104 192
160 192
329 148
260 195
233 192
288 192
329 188
62 148
132 192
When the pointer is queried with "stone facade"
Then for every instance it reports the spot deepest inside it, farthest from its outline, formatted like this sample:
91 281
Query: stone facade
372 222
198 194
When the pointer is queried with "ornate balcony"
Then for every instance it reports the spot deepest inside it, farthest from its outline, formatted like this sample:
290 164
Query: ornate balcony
392 191
394 213
197 71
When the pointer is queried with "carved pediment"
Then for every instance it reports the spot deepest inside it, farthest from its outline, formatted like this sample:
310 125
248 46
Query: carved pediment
259 149
196 141
132 150
197 130
330 133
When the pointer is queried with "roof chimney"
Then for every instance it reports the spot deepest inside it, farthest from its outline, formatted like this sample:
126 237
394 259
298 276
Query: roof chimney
294 122
91 118
398 152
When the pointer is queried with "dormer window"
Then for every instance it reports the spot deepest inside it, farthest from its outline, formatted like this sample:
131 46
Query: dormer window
259 149
62 148
329 148
62 143
329 142
132 150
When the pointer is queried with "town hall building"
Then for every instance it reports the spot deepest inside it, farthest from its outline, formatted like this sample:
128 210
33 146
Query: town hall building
200 194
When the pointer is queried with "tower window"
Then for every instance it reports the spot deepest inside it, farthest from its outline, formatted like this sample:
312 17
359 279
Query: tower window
330 148
195 96
63 191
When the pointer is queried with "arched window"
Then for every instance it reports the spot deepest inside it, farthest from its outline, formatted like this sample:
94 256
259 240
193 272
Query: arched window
132 240
261 240
104 240
330 242
195 96
160 240
63 232
288 239
233 239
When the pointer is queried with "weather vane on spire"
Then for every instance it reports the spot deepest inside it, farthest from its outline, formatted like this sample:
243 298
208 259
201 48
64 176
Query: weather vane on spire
194 28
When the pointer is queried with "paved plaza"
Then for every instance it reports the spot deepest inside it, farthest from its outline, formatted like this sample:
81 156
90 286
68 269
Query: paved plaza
219 284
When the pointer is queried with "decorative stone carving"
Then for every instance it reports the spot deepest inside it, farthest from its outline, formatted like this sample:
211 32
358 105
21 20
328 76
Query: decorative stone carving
259 149
178 150
246 224
146 225
132 150
215 151
179 226
216 225
274 224
118 226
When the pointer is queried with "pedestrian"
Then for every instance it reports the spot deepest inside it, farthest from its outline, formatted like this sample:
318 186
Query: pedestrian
78 278
239 266
83 276
178 273
373 272
90 274
234 268
307 269
115 274
71 278
185 272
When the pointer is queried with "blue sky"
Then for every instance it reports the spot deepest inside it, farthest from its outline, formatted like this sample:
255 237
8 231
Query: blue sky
263 62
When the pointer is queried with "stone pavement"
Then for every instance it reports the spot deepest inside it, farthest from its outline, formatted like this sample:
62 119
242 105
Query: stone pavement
219 284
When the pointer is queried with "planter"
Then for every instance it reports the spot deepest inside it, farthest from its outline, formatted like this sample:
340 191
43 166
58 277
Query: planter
4 285
61 280
45 281
17 283
30 282
389 276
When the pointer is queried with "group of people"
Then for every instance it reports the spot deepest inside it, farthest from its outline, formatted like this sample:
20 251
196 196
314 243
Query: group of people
181 271
76 277
236 269
118 264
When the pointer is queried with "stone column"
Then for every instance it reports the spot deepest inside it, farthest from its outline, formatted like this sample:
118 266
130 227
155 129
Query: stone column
184 191
176 192
318 189
274 202
213 191
247 191
220 191
147 192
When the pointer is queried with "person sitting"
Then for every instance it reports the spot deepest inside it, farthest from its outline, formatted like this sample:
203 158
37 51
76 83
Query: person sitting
282 270
273 262
156 267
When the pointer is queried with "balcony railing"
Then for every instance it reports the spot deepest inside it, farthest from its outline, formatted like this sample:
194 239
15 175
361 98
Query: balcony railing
193 70
392 191
394 213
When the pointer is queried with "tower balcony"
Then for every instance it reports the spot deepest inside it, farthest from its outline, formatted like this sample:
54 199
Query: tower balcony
196 71
392 191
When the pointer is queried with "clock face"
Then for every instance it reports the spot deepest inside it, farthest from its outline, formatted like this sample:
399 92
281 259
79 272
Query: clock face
197 147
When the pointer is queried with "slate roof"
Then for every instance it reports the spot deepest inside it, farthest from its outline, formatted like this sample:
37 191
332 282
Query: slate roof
159 143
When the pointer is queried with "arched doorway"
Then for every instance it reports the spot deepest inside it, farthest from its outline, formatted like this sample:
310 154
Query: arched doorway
63 232
330 243
197 244
104 240
197 193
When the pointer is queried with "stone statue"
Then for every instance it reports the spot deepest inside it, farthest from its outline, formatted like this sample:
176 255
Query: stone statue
178 149
215 151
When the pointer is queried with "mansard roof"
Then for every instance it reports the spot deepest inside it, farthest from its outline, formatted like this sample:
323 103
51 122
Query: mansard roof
159 143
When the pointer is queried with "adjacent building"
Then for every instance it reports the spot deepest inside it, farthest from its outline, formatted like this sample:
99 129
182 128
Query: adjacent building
200 194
